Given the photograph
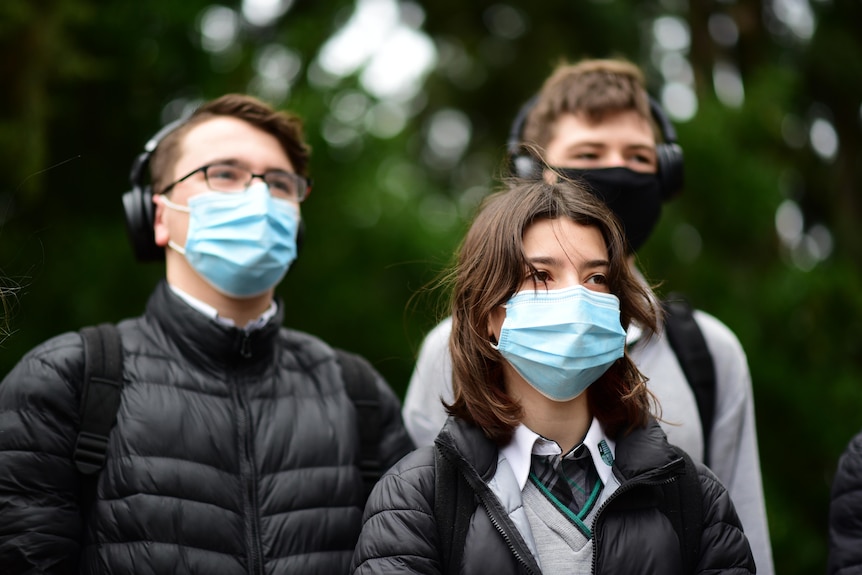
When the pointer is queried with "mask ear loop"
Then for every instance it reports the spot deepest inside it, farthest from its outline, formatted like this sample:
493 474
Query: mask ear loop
492 339
185 209
164 200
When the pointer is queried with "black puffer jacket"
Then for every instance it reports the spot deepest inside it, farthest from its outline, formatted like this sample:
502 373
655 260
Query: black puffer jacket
631 536
233 453
845 513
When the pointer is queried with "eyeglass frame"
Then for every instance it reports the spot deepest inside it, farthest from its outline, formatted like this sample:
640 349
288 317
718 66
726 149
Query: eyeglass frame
303 187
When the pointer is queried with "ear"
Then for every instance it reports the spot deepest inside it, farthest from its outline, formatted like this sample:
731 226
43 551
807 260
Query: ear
161 232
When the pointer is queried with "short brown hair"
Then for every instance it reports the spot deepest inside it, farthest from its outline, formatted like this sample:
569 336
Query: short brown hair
594 88
490 268
286 127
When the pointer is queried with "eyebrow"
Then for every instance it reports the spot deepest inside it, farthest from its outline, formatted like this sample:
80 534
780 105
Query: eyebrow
551 261
230 161
227 161
603 144
543 260
592 264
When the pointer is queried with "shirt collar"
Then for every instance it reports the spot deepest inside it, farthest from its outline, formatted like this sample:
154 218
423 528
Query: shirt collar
212 312
525 442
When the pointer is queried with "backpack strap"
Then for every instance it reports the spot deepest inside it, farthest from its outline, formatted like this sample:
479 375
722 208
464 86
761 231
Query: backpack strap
452 511
360 382
687 341
101 389
684 507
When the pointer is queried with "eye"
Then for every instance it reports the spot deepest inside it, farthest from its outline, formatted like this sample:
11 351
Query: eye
538 277
283 184
225 173
597 281
585 156
582 159
643 161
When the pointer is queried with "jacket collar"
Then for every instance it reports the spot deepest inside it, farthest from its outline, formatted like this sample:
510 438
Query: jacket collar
212 312
205 340
641 454
646 451
470 446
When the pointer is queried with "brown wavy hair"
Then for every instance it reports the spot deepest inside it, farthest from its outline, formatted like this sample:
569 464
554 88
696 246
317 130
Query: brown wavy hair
490 268
284 126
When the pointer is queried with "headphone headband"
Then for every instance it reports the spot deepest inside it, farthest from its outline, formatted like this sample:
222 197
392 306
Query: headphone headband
668 132
513 144
142 161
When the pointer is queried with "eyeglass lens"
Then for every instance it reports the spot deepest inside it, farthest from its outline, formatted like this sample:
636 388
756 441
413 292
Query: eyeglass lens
229 178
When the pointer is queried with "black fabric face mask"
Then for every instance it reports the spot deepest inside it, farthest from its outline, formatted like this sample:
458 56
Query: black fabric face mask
634 197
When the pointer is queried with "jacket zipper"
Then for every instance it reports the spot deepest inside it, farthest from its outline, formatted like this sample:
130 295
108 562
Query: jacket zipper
247 473
512 547
624 488
488 501
245 346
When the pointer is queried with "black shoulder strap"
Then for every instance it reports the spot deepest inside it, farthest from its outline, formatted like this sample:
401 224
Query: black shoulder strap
360 383
101 389
452 511
690 347
684 508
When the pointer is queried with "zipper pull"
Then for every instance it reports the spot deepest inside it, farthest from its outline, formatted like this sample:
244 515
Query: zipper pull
245 346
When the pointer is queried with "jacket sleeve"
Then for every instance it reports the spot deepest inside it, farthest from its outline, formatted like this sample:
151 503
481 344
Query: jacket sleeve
399 534
735 459
41 522
724 547
431 381
845 512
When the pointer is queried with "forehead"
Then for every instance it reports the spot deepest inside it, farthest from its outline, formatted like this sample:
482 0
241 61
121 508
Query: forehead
624 128
229 138
551 238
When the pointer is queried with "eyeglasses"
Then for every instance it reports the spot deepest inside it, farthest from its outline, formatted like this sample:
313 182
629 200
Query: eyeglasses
230 178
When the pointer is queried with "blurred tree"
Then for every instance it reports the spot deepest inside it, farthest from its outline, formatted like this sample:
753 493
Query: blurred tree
407 107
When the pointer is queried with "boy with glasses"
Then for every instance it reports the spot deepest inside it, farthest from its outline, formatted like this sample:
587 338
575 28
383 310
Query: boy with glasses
235 447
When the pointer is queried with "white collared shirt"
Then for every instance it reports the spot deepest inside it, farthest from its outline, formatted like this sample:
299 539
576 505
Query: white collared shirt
212 312
526 442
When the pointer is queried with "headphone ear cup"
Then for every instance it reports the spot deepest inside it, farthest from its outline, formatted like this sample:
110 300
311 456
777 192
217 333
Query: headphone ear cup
668 154
138 202
140 216
671 169
523 165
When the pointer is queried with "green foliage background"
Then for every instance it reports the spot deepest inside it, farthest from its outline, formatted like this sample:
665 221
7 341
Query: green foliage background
85 83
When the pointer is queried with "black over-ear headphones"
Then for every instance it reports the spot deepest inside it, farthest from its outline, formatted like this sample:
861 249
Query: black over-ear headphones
138 202
140 210
668 152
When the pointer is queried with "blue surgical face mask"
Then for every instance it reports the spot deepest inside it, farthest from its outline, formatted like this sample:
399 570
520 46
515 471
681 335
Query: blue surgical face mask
561 341
240 243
